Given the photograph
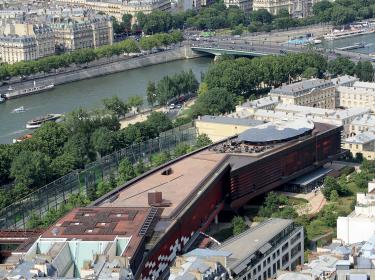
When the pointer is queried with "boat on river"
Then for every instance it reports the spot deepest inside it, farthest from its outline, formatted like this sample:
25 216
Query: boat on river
39 121
19 110
339 34
15 93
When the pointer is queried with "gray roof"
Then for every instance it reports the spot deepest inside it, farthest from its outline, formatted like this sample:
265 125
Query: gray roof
304 180
301 87
252 240
230 120
270 132
343 80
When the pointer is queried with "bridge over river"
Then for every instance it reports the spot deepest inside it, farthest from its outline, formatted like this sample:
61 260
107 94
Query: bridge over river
255 49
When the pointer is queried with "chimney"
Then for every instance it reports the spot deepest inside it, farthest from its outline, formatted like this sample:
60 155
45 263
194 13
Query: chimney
155 198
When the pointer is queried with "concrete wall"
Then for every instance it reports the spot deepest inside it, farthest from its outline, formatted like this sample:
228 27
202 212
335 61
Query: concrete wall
93 70
355 229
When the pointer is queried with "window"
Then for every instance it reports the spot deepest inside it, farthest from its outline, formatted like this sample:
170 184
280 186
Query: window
285 246
285 259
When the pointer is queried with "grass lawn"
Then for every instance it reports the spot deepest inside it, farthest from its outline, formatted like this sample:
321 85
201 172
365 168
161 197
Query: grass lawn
297 201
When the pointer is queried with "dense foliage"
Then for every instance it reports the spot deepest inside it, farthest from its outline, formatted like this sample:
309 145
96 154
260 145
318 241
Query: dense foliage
230 81
58 148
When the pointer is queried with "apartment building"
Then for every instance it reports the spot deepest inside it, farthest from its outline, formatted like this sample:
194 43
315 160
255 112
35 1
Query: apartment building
245 5
273 6
23 42
117 9
256 254
313 93
87 33
14 48
360 94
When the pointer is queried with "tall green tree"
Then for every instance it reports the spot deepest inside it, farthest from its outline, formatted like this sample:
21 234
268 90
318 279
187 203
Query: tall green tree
125 171
30 168
151 93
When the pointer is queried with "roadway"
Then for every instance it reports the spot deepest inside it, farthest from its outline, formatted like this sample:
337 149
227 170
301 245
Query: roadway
217 45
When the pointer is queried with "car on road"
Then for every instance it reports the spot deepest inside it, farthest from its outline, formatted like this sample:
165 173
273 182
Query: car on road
172 106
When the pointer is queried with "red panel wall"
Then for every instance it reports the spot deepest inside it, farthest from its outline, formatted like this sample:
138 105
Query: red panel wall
190 222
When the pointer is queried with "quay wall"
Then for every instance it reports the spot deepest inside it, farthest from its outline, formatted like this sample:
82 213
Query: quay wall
119 64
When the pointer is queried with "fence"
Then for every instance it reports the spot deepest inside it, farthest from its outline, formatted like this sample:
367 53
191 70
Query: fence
53 194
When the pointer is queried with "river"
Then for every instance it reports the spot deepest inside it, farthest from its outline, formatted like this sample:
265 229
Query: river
88 94
368 40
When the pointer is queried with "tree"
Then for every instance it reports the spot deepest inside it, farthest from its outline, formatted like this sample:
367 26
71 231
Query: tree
202 141
215 101
341 65
50 138
181 149
158 122
34 221
30 168
151 93
330 184
116 106
239 225
135 102
63 164
310 72
103 188
261 15
125 171
334 196
102 141
126 22
364 71
160 158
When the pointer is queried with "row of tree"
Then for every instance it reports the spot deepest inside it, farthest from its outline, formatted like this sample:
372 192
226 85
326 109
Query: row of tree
343 11
218 16
58 148
232 80
82 56
171 87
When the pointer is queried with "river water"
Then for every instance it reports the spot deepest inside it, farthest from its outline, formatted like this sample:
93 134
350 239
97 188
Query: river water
368 40
88 94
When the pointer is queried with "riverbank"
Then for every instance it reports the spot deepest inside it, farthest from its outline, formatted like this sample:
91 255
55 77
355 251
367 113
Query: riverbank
113 65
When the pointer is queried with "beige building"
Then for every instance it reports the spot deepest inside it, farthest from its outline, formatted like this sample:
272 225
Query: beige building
23 42
313 93
363 143
360 94
89 33
221 127
273 6
14 48
118 8
245 5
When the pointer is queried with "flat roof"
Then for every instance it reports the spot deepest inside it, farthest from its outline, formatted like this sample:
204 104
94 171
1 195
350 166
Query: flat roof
229 120
187 174
311 177
362 138
302 86
248 242
276 131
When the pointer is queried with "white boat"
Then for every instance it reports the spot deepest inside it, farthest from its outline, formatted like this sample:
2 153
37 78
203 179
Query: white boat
2 99
339 34
317 41
13 93
19 109
37 122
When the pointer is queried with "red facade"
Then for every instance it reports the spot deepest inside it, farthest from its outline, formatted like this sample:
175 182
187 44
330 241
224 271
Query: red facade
239 186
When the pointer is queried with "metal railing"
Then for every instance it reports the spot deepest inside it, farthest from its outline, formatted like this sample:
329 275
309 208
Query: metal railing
52 195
